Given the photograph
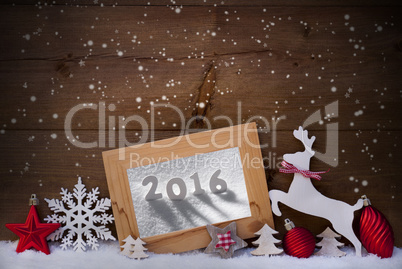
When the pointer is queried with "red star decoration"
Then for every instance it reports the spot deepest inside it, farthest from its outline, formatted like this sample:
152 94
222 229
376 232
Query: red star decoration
225 241
33 233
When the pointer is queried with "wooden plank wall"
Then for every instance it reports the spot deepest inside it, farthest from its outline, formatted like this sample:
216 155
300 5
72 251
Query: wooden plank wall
243 59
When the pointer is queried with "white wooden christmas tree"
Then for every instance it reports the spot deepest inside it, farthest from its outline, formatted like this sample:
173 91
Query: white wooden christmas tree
266 242
134 248
127 247
139 249
329 244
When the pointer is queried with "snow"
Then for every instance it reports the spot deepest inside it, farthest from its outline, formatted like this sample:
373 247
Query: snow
157 214
108 256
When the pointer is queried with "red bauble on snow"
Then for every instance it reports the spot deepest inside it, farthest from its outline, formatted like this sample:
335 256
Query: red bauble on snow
298 242
376 233
33 233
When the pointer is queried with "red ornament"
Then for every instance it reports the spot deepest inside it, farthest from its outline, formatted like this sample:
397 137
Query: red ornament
33 233
376 233
298 242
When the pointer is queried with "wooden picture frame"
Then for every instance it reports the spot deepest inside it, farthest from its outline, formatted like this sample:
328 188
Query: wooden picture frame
244 136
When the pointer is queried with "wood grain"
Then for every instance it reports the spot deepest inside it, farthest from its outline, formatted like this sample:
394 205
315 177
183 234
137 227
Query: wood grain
241 136
277 58
275 96
239 68
212 3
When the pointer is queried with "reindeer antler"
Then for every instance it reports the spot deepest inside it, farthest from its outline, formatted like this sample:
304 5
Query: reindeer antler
302 135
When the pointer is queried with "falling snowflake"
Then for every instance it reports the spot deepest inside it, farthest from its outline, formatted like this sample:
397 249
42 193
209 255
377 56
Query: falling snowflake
80 218
26 168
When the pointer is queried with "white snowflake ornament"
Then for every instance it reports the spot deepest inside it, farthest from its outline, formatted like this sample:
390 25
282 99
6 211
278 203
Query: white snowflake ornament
79 217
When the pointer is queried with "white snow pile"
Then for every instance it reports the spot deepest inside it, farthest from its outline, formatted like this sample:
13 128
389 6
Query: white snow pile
162 215
108 256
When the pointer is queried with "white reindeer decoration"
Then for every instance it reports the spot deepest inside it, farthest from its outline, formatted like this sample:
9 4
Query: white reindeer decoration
303 197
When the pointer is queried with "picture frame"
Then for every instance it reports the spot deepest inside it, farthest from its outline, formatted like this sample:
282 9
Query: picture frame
245 137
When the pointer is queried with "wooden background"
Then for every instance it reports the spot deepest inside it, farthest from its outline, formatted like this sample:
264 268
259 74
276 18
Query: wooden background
274 59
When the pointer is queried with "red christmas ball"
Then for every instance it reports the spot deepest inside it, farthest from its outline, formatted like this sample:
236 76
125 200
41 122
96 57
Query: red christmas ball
298 242
376 233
